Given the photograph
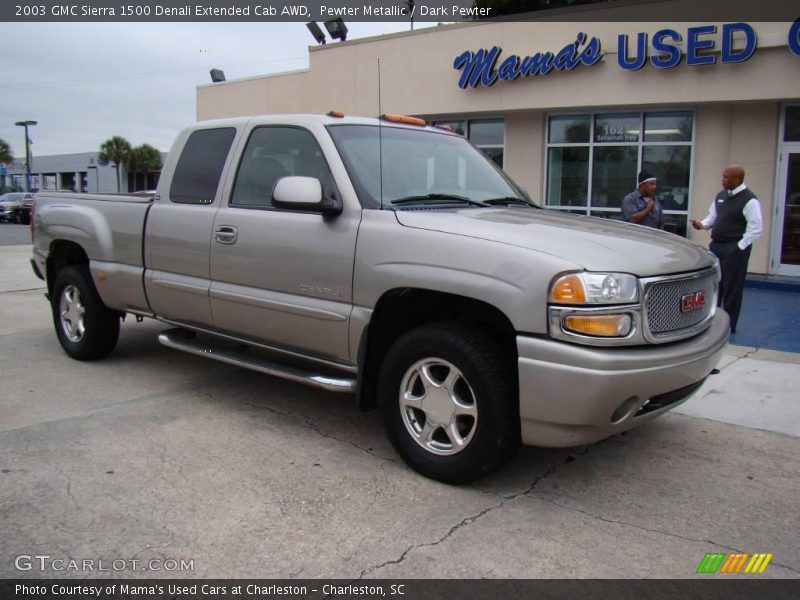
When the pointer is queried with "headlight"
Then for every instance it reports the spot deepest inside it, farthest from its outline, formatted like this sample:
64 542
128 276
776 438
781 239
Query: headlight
594 288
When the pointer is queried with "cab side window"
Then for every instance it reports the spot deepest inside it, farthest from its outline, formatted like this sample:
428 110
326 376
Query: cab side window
199 169
272 153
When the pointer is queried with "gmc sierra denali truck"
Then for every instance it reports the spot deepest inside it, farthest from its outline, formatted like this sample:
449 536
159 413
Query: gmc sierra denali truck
393 261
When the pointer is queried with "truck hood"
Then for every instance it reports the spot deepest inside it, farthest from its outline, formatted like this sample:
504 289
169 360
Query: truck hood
592 243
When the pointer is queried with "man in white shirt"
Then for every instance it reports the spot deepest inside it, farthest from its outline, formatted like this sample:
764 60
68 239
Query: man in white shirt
734 219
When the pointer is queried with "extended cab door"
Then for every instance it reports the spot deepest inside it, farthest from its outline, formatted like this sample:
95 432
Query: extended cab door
283 276
178 233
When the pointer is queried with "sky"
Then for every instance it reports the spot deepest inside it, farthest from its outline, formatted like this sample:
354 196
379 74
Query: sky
84 82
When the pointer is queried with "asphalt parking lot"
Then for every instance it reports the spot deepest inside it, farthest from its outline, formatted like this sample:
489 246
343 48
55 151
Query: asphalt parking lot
154 455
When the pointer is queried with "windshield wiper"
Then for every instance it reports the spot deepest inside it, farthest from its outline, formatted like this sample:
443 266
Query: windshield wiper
437 197
508 201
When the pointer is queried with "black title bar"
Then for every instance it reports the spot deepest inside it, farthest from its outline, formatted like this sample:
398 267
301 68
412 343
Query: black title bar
437 11
732 588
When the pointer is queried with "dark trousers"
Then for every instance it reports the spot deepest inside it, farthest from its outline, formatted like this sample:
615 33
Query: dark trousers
734 268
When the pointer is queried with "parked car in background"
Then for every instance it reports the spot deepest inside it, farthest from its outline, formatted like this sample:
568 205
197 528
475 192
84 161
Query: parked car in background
15 207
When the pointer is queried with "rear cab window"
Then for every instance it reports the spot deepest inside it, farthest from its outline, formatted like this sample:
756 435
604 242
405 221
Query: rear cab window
197 176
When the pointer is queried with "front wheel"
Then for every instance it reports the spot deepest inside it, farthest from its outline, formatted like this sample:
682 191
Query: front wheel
85 327
448 395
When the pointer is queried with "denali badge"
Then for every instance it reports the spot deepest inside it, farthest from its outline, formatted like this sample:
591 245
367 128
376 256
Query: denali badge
693 301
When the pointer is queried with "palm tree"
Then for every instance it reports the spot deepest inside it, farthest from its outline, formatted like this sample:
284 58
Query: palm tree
114 150
5 153
142 159
5 158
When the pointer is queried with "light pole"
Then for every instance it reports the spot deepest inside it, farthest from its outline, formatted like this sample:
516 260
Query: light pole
26 124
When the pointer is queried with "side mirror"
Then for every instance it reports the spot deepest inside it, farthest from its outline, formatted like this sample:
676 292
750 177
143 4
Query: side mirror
303 194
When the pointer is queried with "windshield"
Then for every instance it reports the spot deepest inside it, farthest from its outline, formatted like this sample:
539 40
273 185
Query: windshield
419 166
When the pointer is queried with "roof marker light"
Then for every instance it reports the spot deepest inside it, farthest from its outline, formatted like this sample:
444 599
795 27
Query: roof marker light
404 119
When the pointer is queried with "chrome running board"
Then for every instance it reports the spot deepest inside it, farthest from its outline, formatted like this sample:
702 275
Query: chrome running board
178 339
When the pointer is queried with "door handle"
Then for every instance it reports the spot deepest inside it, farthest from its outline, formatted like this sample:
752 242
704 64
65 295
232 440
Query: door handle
226 234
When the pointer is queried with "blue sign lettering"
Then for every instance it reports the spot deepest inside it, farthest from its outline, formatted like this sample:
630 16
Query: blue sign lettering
728 55
794 38
592 53
477 67
694 44
638 59
480 67
670 55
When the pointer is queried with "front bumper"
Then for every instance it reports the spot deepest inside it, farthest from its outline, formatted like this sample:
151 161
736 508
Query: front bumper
572 395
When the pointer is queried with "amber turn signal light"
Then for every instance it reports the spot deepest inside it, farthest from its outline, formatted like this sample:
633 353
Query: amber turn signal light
568 290
599 325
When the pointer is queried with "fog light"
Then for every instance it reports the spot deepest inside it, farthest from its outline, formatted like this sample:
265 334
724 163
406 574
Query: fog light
599 325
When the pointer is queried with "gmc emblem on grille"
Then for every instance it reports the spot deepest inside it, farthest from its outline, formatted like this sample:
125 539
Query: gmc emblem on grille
693 301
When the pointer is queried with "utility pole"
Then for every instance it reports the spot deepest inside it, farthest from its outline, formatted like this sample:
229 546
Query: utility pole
27 124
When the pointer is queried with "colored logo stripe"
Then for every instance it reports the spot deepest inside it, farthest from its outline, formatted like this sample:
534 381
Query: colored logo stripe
758 563
734 563
711 563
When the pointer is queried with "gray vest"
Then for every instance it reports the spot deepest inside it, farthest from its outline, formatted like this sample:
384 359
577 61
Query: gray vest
730 223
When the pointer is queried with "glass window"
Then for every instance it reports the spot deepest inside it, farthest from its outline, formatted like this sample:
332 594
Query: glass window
613 149
200 166
613 174
275 152
616 128
670 165
569 211
567 176
676 223
569 129
486 133
459 127
668 127
496 154
791 131
614 215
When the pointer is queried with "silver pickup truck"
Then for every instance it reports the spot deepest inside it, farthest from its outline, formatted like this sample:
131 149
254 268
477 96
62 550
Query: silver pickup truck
393 261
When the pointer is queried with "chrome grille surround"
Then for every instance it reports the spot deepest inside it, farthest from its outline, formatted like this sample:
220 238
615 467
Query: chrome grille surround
656 319
661 303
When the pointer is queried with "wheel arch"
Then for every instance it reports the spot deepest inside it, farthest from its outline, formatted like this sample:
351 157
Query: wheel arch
63 253
402 309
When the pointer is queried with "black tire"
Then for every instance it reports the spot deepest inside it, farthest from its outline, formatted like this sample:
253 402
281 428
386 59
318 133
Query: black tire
85 327
444 439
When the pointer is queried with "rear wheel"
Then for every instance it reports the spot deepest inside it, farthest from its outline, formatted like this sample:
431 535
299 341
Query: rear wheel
85 327
449 402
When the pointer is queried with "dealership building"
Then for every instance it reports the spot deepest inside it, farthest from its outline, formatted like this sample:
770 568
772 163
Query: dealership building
573 110
78 172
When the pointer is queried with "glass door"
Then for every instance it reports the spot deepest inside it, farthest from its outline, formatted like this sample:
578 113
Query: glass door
788 214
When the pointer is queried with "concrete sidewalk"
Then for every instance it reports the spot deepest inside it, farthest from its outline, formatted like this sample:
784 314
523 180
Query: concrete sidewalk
153 454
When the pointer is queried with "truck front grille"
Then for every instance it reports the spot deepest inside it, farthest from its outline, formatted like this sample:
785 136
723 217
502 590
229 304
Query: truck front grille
665 303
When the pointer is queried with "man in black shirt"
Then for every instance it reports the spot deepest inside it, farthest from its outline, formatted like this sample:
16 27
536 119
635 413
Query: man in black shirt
734 219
